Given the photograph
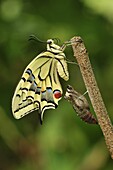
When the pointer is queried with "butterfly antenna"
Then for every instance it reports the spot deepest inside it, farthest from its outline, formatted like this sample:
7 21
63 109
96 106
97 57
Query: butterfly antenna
34 38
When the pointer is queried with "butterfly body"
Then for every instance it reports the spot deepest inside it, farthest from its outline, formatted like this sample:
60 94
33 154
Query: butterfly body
39 88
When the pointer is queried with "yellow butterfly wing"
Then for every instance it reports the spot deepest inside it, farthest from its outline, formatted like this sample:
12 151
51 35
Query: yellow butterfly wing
39 87
27 94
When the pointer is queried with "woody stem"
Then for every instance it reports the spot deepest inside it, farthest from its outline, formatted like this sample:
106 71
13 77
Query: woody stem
82 58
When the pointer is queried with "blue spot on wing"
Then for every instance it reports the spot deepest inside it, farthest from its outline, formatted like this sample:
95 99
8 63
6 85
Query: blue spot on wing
49 94
31 78
38 90
29 71
43 96
33 87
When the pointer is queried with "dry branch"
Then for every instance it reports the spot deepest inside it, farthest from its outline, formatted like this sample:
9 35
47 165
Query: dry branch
82 58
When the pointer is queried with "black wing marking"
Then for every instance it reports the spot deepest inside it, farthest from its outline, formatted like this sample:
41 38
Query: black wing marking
35 90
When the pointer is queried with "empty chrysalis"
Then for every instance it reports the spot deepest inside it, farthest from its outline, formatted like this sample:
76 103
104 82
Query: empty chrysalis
80 105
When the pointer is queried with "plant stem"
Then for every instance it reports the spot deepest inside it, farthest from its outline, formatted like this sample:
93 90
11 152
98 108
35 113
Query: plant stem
82 58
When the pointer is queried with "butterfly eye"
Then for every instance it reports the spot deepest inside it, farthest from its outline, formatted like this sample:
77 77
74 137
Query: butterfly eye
50 41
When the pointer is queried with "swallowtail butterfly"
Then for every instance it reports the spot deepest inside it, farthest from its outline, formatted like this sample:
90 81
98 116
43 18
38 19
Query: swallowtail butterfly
39 87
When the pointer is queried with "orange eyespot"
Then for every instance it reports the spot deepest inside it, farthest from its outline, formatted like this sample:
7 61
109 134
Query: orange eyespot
57 94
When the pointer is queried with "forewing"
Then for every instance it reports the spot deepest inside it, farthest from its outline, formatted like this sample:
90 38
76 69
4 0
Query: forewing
39 87
62 69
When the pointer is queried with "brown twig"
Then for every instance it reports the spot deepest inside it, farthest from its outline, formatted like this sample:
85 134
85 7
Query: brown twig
82 58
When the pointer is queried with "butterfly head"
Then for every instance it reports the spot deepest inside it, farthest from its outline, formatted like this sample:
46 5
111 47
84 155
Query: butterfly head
51 46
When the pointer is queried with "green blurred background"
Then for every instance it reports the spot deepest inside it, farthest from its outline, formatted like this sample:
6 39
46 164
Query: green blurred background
63 141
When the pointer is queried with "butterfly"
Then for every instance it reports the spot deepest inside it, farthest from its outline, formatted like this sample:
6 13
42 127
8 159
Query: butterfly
80 105
39 87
